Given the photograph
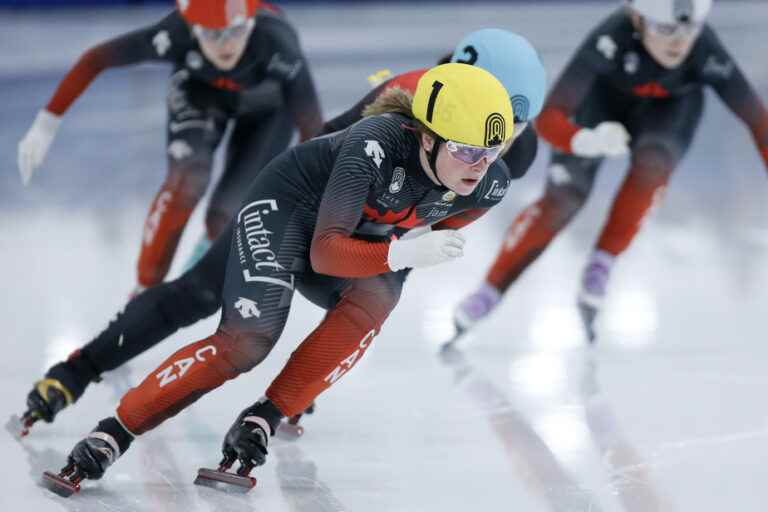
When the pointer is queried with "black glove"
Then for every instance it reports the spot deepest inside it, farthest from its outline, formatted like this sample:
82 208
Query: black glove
262 99
248 437
206 97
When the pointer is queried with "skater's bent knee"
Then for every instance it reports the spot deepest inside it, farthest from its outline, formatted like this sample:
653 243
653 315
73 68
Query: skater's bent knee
655 157
189 179
245 349
562 203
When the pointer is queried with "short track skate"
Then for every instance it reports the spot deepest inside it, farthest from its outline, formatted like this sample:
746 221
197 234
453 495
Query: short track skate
66 483
223 480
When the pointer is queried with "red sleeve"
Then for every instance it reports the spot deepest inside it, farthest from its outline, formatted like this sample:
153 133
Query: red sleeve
121 51
460 220
334 254
334 250
91 63
571 89
760 133
555 127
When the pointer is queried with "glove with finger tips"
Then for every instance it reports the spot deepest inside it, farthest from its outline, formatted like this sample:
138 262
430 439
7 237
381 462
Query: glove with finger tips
426 250
609 138
36 142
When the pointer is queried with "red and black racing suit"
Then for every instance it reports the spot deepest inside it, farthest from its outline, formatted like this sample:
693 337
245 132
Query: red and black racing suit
613 78
160 311
267 93
318 219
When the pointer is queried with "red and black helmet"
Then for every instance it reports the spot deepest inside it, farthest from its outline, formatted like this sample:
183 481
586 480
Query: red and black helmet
217 14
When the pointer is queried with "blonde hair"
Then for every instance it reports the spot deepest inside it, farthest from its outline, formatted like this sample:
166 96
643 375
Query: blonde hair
396 100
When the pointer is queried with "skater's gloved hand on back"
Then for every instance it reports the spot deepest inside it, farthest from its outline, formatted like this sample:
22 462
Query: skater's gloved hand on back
212 100
246 441
609 138
248 437
426 250
34 146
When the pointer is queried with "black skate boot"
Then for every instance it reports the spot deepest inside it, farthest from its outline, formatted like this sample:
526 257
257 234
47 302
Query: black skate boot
246 442
63 384
90 458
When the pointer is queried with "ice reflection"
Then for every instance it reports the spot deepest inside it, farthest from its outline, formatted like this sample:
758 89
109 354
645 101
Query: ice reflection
299 482
533 459
631 315
542 375
629 474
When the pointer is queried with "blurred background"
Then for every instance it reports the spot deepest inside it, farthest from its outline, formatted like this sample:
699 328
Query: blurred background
665 413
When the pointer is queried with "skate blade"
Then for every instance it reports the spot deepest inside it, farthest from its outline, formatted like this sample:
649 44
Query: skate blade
452 342
59 485
588 314
224 481
289 431
16 427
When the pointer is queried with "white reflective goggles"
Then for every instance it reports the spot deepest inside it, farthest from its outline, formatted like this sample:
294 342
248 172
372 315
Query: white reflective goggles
673 29
234 31
470 154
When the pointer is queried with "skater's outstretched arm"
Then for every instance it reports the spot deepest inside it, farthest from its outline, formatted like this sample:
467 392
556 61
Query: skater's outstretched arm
150 43
131 48
720 70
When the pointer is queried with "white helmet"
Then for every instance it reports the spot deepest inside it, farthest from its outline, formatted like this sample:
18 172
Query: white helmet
672 11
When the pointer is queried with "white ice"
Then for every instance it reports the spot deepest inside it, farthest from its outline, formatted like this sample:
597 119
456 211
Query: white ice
667 412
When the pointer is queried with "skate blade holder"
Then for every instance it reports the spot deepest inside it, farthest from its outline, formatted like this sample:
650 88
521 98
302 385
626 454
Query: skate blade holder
224 480
289 431
17 427
60 485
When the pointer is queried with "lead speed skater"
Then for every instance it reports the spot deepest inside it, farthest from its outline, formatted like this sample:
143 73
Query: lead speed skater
320 218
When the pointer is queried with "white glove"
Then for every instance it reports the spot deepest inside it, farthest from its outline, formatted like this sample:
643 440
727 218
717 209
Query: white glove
429 249
609 138
34 146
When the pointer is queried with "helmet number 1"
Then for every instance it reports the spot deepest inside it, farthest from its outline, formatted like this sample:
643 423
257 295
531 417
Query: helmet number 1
436 86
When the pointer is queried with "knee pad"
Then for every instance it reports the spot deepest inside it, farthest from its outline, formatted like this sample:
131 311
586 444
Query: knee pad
369 309
245 350
653 161
188 178
560 204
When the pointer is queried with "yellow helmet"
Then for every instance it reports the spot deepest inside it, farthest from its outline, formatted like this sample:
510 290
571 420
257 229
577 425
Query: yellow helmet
465 104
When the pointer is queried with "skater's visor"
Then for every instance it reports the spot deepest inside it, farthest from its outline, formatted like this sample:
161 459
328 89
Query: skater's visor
688 29
238 29
470 154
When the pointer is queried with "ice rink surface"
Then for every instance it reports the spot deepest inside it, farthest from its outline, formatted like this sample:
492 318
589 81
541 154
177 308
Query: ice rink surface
667 412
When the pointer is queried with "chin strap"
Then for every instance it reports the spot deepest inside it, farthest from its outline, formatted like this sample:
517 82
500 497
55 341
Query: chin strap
433 159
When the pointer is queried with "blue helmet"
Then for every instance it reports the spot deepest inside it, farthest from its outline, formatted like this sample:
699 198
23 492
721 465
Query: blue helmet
511 59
